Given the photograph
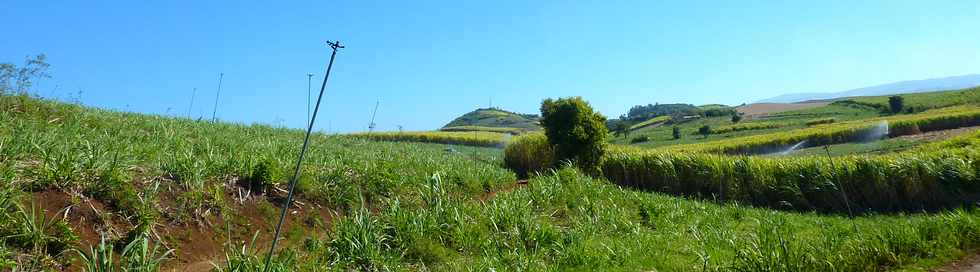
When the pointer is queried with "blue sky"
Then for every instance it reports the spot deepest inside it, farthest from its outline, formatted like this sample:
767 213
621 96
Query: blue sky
430 61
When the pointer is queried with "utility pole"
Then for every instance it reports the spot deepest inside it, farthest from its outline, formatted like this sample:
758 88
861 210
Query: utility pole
371 125
214 113
189 108
302 153
309 77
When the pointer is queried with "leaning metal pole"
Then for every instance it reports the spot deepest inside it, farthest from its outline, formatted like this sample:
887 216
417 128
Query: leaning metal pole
214 113
847 202
302 153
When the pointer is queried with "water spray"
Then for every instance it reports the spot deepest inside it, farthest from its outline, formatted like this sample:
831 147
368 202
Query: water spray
302 153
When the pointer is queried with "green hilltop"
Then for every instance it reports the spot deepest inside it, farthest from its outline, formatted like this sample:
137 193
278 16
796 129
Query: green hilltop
493 119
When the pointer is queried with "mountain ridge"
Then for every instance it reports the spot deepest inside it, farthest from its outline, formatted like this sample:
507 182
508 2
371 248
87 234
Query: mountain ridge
906 86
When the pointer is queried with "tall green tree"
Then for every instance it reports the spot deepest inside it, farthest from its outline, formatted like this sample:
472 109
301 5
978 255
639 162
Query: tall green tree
704 130
896 103
577 132
622 129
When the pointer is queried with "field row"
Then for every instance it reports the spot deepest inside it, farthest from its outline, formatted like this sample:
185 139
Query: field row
483 128
841 132
914 180
471 138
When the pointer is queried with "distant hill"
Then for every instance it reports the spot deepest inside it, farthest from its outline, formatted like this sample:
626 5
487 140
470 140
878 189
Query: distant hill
494 118
911 86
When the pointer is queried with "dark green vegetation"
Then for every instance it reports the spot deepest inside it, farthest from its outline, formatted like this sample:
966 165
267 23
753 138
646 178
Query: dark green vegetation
640 112
896 104
493 118
576 132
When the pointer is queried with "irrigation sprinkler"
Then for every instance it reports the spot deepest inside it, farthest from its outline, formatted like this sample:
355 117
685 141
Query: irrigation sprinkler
302 153
847 203
193 93
214 113
375 113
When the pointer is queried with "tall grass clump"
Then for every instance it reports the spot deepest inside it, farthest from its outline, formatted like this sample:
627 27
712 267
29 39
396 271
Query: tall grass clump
530 153
910 181
470 138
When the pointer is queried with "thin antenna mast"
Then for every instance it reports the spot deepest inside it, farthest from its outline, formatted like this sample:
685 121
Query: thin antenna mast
189 108
302 153
309 78
371 125
214 113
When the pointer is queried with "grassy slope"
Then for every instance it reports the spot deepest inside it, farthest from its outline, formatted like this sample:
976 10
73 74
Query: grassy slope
493 118
561 221
928 100
50 146
650 121
662 136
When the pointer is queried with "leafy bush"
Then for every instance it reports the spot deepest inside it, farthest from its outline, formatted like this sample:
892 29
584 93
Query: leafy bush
575 130
896 103
676 131
640 139
704 130
640 112
528 154
267 173
820 121
737 117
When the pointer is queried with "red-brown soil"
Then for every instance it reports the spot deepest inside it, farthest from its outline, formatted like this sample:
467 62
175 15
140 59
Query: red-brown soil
197 243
